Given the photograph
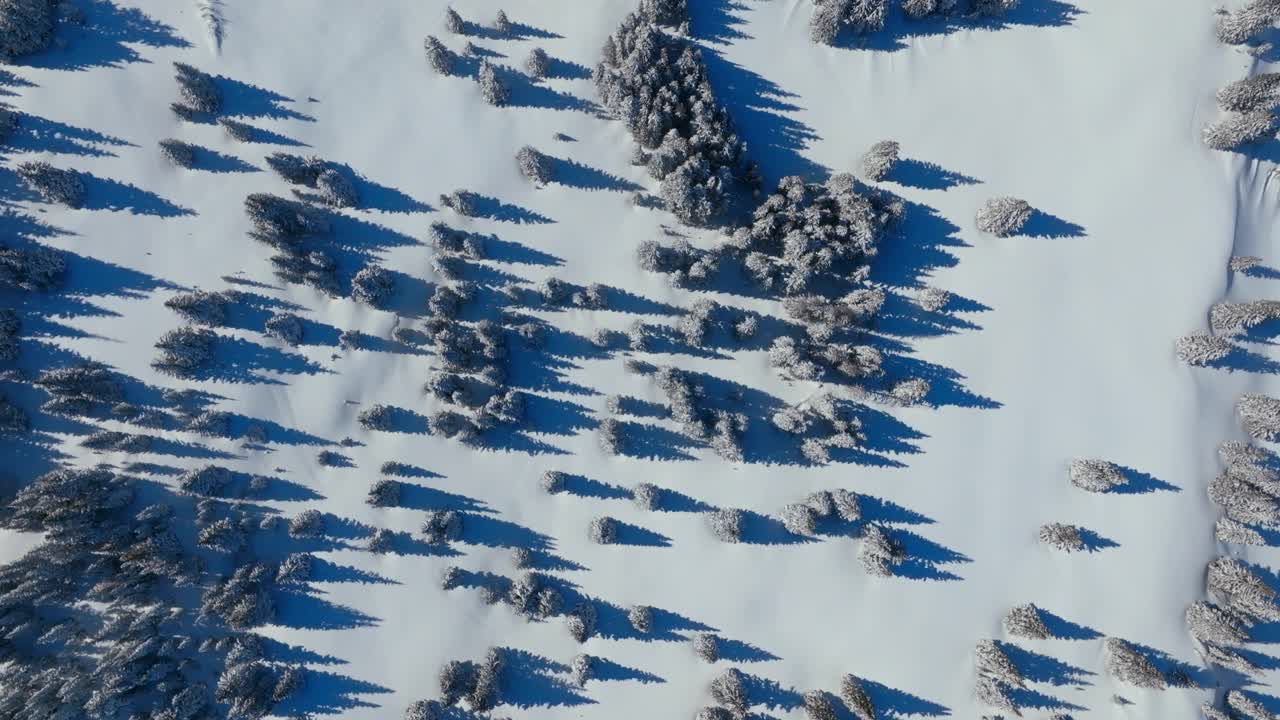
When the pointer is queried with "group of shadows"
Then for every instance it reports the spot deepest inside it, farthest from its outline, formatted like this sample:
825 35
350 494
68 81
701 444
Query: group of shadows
108 37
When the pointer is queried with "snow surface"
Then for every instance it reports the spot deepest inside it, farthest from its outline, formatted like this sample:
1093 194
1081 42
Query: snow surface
1059 343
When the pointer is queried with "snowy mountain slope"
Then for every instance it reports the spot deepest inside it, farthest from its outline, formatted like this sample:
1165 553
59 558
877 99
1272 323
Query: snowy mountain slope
1057 344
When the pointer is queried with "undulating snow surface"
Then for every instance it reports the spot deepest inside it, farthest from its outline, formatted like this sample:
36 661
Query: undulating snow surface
1057 343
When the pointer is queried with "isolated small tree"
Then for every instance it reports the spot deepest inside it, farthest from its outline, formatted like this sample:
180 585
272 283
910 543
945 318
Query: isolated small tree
534 165
730 690
552 481
706 646
454 23
856 698
713 712
1201 350
54 185
1062 537
1025 621
1003 216
1095 475
384 492
647 496
818 705
726 524
610 437
880 160
1126 664
285 327
879 553
200 307
493 88
641 618
179 153
603 530
537 64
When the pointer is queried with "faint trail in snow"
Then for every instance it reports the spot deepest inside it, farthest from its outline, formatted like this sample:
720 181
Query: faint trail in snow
214 22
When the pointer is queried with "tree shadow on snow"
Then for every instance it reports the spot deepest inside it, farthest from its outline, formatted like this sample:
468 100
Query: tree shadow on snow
105 39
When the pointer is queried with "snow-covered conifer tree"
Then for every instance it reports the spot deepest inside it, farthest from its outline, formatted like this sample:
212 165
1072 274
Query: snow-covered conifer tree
534 165
54 185
493 88
26 27
706 646
197 90
179 153
439 57
537 64
1003 216
1126 664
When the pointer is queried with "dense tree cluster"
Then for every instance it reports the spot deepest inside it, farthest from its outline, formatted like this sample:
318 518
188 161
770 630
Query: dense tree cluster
79 390
830 17
806 233
656 82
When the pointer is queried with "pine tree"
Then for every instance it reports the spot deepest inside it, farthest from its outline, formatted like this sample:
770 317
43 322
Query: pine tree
1003 216
493 88
54 185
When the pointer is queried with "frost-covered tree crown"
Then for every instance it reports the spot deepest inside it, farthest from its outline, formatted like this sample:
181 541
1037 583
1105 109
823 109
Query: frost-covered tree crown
54 185
26 27
1003 216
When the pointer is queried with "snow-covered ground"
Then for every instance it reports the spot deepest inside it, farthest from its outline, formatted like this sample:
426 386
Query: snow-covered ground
1057 344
